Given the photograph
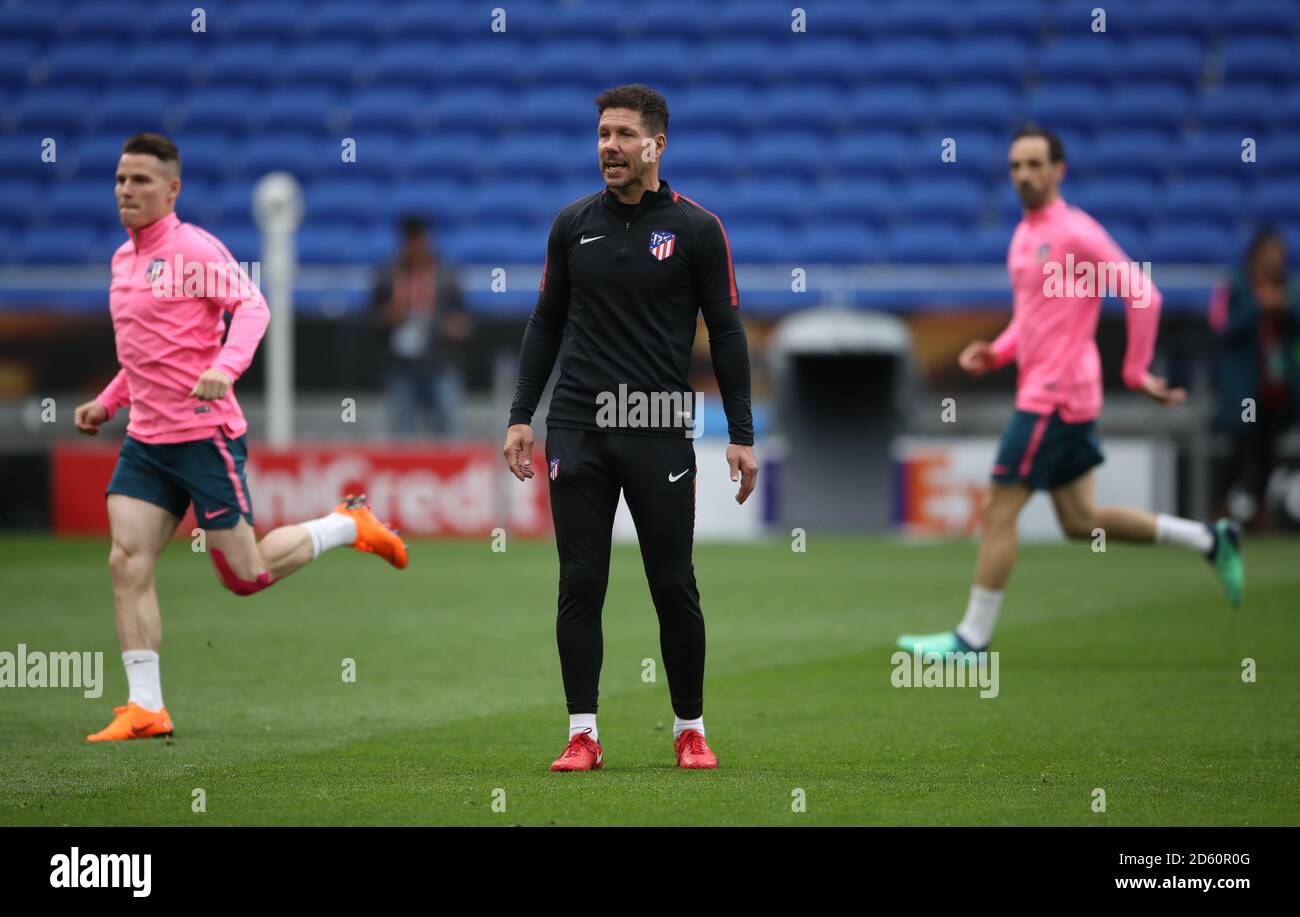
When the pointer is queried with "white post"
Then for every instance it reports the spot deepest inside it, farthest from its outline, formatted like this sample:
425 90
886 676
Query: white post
277 207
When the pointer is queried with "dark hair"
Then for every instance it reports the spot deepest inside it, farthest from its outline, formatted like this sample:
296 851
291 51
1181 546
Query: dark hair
1263 235
412 226
643 99
155 145
1055 148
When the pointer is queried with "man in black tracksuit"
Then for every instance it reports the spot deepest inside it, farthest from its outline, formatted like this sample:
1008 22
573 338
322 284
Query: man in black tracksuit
627 272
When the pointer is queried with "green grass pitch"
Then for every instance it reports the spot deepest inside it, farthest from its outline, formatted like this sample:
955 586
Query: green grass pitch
1119 671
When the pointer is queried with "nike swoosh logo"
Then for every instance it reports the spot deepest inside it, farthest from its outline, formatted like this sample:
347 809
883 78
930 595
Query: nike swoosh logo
676 477
584 240
207 515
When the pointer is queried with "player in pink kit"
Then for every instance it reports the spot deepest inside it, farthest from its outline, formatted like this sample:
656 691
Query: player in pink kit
171 285
1061 262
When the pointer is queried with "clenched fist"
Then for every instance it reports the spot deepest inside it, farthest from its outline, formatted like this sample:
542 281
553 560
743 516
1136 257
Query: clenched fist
89 416
213 384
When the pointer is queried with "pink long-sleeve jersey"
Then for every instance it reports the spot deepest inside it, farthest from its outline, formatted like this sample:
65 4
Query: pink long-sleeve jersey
1061 263
168 322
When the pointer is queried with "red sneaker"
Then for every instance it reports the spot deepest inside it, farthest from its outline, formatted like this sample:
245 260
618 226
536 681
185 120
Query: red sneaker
581 754
693 751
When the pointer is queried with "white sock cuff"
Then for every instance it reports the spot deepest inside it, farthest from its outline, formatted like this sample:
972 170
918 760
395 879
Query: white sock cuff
579 722
130 656
680 725
1185 533
333 531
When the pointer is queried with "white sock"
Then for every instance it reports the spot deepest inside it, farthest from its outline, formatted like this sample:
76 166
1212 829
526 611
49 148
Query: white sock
332 531
1185 533
581 721
143 678
680 725
981 616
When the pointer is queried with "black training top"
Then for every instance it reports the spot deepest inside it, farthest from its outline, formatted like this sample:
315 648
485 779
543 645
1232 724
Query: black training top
620 292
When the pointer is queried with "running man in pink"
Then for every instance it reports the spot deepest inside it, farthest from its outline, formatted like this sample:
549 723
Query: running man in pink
1061 264
172 283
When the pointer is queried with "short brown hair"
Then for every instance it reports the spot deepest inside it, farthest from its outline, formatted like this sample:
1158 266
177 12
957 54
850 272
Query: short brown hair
155 145
639 98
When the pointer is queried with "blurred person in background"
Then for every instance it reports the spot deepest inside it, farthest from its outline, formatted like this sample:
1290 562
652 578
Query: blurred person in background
419 306
1256 321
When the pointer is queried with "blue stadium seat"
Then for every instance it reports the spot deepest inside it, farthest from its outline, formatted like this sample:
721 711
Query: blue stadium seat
120 20
1288 111
915 60
227 108
665 62
445 155
16 59
979 153
19 199
762 243
1162 60
996 20
835 61
243 63
92 62
989 244
1072 19
488 245
766 19
519 202
846 18
1191 243
1078 106
1276 202
130 109
877 153
1196 19
84 199
442 21
1162 107
890 106
356 200
54 109
732 62
438 201
30 20
680 18
549 155
1213 154
1260 17
204 154
1106 199
986 107
921 243
1207 200
813 107
296 108
840 243
565 110
336 63
953 200
735 108
918 19
1093 60
344 19
301 155
58 244
708 154
282 21
1139 152
1249 109
787 155
162 64
1279 155
867 200
337 243
505 63
1002 61
482 110
400 110
1261 60
772 200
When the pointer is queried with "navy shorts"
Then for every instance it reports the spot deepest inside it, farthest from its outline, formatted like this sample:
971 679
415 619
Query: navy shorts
1044 452
207 472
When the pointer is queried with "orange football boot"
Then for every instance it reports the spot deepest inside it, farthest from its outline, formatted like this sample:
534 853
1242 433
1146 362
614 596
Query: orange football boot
373 536
693 751
134 722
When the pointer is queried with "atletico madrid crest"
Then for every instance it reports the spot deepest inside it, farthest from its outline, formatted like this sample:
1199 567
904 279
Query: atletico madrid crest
661 244
155 269
555 468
